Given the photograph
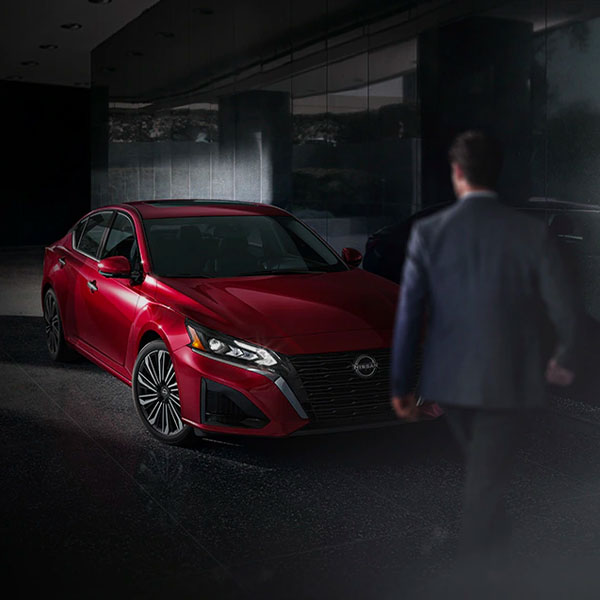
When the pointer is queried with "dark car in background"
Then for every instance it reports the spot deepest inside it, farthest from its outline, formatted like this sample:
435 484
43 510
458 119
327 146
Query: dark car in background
385 250
576 228
571 223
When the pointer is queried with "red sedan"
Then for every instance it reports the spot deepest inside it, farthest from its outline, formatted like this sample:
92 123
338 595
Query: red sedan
223 317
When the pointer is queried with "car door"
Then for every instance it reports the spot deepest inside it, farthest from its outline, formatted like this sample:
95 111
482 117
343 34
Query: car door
577 232
65 275
85 273
107 305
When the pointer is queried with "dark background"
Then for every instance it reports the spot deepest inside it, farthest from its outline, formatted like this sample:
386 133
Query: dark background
45 169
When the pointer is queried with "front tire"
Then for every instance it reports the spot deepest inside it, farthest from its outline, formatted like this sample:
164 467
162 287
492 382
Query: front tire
156 395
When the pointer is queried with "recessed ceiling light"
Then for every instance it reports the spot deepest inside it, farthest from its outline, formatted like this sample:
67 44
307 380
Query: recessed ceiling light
48 46
204 11
71 26
165 34
30 63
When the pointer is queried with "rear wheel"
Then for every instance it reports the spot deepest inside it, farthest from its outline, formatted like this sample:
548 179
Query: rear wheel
156 395
58 348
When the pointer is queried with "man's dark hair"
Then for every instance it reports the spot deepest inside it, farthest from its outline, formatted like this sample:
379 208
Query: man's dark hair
479 156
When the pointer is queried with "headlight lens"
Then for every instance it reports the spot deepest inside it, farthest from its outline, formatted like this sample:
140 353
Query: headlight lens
221 344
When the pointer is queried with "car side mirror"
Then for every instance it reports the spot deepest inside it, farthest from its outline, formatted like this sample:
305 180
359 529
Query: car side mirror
352 257
115 266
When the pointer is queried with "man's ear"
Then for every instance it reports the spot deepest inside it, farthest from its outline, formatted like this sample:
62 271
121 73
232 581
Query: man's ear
457 172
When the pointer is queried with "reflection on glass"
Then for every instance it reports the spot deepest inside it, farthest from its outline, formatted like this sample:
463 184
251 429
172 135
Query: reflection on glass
161 153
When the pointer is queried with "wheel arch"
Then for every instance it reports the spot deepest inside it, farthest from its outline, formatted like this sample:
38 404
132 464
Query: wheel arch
150 335
154 322
46 285
149 332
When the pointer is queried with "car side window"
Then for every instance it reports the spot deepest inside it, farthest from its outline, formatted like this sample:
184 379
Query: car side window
121 239
95 227
77 231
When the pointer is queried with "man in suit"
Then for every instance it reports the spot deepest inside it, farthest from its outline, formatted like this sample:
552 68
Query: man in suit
484 275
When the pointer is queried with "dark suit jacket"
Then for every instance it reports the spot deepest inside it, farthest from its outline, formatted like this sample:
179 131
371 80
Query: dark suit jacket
487 275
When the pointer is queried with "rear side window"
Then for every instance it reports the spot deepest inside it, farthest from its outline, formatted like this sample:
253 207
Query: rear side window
93 232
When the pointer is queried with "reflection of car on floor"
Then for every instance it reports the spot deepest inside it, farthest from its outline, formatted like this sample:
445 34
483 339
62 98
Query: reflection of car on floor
224 317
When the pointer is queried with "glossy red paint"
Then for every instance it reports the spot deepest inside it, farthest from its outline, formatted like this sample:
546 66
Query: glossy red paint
115 266
108 319
352 257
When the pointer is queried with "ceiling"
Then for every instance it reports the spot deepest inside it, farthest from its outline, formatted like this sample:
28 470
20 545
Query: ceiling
182 48
179 45
25 25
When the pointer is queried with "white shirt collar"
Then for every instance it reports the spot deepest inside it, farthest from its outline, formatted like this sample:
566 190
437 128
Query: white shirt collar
482 193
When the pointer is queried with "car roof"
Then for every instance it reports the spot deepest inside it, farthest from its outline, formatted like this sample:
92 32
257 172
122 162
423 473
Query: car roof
159 209
540 202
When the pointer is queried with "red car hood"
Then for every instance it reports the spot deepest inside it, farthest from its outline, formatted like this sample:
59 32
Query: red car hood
276 306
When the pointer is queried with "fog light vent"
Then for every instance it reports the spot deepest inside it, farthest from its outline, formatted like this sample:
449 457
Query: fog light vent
224 406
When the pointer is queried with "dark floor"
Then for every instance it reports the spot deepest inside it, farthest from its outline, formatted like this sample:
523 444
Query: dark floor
91 506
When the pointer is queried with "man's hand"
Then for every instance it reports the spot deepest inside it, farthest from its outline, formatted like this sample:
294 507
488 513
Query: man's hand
405 407
557 375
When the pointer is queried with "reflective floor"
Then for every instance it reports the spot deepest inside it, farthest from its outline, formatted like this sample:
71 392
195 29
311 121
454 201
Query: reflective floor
91 506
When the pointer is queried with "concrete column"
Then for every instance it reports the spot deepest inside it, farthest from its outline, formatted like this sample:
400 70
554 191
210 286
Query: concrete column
99 146
255 146
476 74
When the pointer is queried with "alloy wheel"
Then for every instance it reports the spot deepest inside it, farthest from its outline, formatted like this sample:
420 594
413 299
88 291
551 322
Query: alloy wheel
158 394
52 323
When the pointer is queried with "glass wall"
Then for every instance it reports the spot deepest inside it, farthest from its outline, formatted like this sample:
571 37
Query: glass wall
355 143
564 164
300 104
341 111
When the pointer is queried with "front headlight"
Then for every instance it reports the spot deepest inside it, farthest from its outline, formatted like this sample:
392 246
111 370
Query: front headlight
228 347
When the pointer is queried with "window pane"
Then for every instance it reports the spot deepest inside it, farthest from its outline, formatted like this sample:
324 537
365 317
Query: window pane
121 239
94 230
78 231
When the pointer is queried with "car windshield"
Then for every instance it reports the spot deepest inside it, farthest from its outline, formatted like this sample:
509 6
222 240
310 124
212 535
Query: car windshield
234 246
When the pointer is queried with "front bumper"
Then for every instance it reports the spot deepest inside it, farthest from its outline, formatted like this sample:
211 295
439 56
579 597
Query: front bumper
203 378
220 397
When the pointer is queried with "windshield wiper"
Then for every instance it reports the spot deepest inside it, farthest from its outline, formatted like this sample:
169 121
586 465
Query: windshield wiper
189 276
281 272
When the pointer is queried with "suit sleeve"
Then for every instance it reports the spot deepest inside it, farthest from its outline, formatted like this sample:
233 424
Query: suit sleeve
562 303
414 289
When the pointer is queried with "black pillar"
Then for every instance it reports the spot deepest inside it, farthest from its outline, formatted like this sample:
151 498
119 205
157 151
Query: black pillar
99 146
476 74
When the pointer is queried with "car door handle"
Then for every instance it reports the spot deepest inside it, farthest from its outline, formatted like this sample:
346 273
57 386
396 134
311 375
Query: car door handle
62 262
570 238
92 285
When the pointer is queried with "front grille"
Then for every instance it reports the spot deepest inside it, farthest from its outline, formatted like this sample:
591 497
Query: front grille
336 395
